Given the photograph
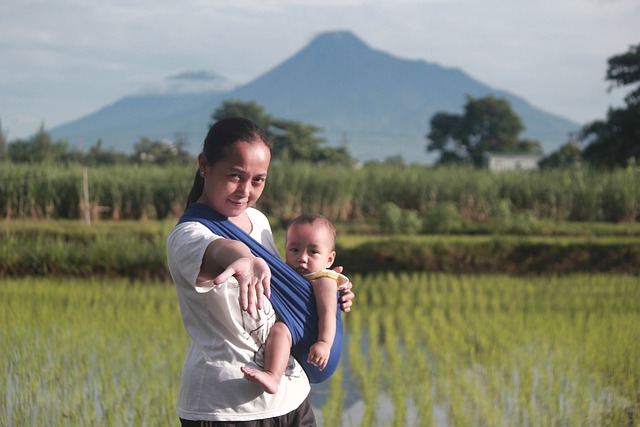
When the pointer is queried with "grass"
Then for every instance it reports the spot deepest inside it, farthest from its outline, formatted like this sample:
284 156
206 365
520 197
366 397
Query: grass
136 249
503 351
447 349
82 352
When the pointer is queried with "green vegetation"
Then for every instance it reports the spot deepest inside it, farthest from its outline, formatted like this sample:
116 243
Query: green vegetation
71 248
456 200
488 124
137 250
291 140
613 142
553 347
498 351
81 352
41 149
477 350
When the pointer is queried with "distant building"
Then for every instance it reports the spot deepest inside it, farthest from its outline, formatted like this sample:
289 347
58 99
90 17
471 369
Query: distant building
507 162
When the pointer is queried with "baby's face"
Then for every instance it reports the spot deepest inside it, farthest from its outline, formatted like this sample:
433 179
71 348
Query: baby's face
309 248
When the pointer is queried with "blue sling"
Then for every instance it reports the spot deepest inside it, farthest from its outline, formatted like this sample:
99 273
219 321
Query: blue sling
291 295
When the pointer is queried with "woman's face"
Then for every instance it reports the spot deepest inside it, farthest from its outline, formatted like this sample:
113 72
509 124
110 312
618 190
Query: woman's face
235 183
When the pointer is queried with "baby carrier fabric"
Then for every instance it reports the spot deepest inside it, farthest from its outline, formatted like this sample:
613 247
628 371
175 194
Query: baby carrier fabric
291 295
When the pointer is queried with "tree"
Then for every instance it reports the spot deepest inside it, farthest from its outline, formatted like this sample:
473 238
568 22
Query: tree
616 140
37 149
292 140
488 124
97 155
443 137
248 109
159 152
569 155
3 143
624 70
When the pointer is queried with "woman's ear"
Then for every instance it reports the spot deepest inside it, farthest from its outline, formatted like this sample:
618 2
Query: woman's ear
202 164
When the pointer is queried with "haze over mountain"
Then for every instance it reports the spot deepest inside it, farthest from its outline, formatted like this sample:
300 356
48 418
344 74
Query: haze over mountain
375 103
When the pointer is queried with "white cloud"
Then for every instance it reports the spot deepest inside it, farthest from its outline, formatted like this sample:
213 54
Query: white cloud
65 58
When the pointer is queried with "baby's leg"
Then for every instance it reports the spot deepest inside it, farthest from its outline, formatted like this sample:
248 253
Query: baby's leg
276 356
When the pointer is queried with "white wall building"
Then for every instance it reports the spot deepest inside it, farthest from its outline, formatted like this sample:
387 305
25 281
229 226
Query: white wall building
504 161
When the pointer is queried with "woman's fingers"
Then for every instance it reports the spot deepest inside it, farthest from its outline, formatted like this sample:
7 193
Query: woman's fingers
262 281
346 297
266 285
346 294
251 295
254 277
225 275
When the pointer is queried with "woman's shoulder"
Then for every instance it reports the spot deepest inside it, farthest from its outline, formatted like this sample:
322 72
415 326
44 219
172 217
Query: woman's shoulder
261 230
190 227
188 232
258 219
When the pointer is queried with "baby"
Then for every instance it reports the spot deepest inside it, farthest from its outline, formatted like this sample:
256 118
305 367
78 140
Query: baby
310 250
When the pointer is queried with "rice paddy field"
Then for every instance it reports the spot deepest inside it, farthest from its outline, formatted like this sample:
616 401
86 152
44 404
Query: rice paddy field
429 349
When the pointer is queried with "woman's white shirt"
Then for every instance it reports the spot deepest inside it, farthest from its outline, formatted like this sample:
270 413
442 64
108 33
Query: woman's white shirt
225 338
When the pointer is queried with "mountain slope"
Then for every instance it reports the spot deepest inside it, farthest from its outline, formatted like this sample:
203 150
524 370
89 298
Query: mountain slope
382 103
378 104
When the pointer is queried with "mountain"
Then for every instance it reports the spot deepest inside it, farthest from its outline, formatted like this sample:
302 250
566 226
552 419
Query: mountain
180 105
375 103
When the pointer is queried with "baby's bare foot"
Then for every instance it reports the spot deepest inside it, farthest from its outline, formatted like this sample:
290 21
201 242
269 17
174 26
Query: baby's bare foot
268 380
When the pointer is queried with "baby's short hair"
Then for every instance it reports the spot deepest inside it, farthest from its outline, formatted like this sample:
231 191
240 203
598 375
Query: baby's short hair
314 218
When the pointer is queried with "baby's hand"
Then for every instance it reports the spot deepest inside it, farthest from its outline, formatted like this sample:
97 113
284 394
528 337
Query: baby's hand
319 354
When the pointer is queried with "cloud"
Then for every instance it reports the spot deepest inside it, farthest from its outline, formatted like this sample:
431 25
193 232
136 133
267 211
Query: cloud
65 58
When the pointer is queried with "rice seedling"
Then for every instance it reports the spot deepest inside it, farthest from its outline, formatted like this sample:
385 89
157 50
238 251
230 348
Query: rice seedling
447 350
82 352
497 350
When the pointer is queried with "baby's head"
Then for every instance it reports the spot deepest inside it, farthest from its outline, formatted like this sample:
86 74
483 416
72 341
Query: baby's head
310 245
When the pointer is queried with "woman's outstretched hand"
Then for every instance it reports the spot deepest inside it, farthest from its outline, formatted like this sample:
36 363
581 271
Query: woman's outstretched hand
254 277
346 294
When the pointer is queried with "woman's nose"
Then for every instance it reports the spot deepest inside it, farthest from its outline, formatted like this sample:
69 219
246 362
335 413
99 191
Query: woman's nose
242 188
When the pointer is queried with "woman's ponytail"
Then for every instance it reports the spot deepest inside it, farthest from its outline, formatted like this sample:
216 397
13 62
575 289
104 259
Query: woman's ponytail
196 189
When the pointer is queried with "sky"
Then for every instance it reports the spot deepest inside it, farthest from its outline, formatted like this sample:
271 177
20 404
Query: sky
63 59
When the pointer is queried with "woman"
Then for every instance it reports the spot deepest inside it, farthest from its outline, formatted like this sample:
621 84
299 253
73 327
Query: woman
220 287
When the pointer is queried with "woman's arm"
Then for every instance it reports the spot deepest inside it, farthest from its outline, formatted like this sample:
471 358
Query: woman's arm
225 258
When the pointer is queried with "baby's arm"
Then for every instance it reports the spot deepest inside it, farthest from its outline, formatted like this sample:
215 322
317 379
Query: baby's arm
324 289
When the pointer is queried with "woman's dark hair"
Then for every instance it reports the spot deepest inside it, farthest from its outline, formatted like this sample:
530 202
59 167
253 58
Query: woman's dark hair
223 134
